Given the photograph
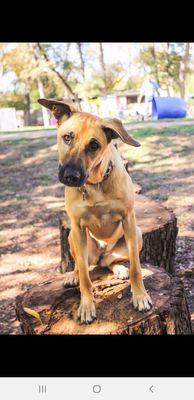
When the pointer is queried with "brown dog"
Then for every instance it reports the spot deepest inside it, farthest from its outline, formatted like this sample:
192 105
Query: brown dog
99 199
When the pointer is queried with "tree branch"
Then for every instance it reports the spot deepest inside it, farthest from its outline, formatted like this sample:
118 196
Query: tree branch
68 87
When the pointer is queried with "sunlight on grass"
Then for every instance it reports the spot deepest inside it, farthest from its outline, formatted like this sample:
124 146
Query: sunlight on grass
164 166
175 130
170 147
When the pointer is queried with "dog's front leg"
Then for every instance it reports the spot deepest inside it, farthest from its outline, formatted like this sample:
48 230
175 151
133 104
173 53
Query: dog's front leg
86 311
141 299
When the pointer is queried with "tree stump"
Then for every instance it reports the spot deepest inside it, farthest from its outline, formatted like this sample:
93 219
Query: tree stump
116 315
159 227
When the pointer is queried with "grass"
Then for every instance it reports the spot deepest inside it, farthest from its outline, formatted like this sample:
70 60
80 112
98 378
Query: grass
169 131
29 129
125 121
163 148
129 121
25 141
164 166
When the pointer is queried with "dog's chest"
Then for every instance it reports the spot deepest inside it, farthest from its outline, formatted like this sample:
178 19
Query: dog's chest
98 207
100 216
100 212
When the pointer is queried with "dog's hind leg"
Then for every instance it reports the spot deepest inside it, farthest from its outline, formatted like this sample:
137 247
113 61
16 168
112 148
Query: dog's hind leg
94 251
118 254
141 298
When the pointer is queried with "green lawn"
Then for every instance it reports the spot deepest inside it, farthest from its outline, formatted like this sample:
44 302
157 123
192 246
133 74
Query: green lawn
129 121
169 131
29 129
125 121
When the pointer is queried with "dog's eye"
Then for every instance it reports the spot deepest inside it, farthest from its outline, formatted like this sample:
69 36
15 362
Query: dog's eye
67 138
92 146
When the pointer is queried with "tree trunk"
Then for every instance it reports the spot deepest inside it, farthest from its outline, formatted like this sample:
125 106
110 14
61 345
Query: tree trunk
159 228
57 307
167 69
103 67
41 94
1 73
183 70
155 64
45 116
79 46
27 116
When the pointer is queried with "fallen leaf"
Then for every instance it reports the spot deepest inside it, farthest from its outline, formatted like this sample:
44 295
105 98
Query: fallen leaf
32 313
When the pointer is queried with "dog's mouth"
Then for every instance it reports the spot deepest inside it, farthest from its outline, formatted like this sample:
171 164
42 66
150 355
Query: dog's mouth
72 176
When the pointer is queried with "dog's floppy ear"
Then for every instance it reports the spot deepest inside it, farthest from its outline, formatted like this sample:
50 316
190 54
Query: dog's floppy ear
59 108
114 128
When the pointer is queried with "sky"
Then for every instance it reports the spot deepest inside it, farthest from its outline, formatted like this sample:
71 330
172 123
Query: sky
6 82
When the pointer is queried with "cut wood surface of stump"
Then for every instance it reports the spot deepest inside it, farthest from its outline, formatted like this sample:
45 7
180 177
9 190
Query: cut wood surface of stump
159 228
58 306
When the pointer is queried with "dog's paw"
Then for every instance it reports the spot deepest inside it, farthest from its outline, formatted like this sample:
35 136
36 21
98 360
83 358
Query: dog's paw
142 301
121 272
86 312
71 279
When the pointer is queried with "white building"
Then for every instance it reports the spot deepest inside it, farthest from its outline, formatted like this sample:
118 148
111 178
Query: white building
8 120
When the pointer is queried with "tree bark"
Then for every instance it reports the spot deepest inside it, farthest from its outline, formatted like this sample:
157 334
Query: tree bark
67 261
183 70
1 72
103 67
41 94
79 46
27 116
155 64
40 86
167 69
57 307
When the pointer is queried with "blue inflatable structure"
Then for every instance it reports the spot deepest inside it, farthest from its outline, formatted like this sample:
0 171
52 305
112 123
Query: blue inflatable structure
168 107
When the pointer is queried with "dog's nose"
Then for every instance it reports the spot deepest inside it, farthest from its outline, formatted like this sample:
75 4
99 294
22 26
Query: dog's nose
71 177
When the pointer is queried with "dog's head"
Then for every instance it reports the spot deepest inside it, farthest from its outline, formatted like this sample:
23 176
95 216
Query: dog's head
82 140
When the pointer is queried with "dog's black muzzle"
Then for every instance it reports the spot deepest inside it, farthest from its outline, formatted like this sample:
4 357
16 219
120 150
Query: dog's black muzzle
72 175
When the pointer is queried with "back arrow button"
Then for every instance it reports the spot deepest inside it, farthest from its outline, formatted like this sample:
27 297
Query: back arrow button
151 389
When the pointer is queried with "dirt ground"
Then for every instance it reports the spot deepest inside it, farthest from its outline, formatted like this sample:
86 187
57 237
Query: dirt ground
32 202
